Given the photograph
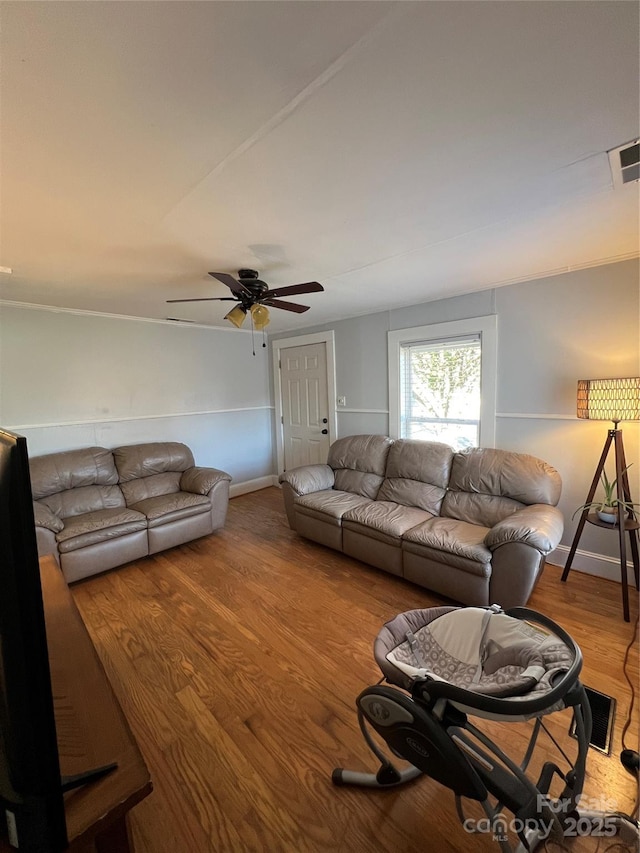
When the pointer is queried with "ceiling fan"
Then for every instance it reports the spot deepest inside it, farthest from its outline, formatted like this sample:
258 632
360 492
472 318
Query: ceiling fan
253 295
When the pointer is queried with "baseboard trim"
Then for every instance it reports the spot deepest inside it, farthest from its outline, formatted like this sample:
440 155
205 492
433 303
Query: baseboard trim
237 489
590 563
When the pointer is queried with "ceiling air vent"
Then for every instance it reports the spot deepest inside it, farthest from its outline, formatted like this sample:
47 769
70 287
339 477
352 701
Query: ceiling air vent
625 163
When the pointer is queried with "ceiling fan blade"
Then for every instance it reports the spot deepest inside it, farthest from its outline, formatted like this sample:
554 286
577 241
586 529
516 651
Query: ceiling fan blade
234 285
206 299
287 306
307 287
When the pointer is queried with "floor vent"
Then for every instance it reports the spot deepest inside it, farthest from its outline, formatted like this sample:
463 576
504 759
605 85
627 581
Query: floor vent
625 163
603 711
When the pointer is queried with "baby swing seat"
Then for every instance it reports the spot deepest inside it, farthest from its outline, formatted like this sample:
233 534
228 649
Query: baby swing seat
444 664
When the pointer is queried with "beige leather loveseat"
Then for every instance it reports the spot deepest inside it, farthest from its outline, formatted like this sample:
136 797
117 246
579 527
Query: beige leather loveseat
97 508
474 526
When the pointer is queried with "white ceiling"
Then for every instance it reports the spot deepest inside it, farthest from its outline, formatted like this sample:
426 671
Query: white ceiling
396 152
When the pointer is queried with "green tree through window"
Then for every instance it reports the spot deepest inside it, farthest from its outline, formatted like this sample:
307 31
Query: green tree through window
441 391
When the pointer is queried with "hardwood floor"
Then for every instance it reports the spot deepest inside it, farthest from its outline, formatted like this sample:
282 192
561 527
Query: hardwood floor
237 660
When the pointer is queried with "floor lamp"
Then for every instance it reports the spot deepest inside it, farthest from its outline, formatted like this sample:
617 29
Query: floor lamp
611 400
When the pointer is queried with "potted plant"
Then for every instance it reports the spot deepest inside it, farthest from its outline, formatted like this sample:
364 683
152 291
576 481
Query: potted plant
609 508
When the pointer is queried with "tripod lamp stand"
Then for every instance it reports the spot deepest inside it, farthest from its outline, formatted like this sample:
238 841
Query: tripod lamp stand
611 400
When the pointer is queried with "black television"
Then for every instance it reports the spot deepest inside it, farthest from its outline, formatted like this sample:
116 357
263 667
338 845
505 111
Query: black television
31 792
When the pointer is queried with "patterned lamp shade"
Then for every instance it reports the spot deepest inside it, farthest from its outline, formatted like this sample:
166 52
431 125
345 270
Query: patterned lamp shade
609 399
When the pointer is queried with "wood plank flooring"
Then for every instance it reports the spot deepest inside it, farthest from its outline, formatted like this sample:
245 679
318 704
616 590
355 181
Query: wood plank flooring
237 659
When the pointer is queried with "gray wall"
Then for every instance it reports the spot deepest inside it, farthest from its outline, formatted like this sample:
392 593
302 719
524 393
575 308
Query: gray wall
71 380
551 332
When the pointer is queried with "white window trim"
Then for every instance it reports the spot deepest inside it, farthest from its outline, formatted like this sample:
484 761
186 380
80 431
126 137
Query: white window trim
328 339
486 327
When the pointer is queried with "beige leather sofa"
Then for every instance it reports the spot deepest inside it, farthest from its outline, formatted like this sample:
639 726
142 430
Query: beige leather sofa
96 508
474 526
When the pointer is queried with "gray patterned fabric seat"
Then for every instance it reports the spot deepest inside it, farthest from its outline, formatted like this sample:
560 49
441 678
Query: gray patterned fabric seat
481 650
442 667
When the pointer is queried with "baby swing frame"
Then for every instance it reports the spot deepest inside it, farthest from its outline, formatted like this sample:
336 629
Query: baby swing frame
427 724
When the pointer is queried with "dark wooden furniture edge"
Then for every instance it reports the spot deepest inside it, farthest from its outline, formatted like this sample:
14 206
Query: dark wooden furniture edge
92 729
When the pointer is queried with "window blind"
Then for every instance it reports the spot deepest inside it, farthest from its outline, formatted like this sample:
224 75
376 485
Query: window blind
440 390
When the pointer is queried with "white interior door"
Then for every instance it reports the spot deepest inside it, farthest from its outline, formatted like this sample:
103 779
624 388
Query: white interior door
305 404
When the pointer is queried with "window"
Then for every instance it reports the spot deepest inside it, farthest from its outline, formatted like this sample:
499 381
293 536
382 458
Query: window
440 391
442 383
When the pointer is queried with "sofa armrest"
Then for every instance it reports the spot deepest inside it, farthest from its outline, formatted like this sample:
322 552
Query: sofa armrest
303 481
200 481
45 518
309 478
47 525
538 525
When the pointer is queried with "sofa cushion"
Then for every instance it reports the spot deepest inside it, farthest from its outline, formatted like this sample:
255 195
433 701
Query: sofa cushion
384 520
156 485
489 485
84 499
329 505
485 510
74 482
456 543
417 474
162 509
71 469
92 527
152 469
143 460
359 463
518 476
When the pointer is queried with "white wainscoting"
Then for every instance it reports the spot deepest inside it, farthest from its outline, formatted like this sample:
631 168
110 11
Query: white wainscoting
235 440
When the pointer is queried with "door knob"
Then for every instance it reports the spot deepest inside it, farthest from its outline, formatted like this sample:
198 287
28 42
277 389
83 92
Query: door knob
325 421
325 431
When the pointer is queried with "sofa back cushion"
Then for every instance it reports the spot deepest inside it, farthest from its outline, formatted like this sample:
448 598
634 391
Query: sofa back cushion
76 481
359 463
488 485
149 470
417 474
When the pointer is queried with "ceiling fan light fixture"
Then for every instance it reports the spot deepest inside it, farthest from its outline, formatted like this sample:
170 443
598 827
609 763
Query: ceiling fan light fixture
253 295
260 316
236 316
